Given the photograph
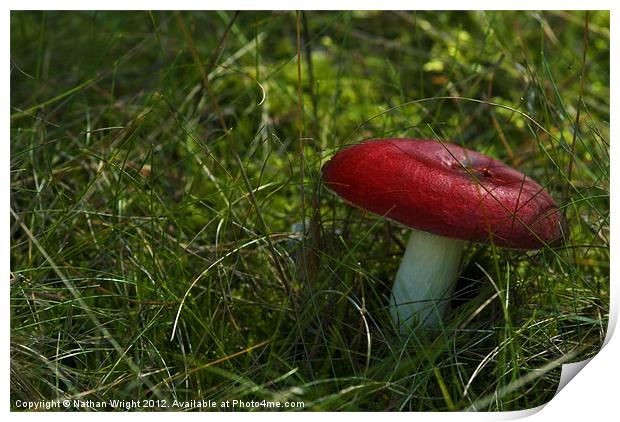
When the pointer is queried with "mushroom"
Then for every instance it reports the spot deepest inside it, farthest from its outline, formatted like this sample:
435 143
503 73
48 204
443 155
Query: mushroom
448 196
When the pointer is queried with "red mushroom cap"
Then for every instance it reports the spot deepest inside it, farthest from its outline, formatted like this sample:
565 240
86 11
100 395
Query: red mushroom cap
447 190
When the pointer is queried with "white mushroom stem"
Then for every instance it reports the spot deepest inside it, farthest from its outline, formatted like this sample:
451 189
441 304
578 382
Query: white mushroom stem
425 281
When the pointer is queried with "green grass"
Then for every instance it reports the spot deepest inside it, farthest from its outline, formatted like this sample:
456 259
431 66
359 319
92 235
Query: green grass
171 238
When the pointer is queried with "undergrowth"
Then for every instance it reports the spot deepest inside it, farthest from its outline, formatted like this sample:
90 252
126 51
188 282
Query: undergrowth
171 238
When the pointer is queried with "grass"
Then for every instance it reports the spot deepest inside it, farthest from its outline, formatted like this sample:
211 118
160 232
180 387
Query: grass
171 238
